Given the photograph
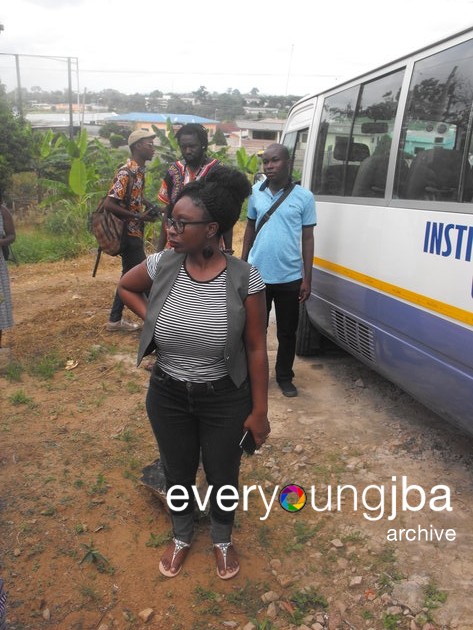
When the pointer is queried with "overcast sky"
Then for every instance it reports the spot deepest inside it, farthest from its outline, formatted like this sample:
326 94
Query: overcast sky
279 47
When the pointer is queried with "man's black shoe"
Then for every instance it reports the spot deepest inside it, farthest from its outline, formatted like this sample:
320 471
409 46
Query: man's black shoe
288 389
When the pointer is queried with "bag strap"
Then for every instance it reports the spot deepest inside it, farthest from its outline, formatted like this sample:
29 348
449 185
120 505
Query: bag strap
129 187
276 204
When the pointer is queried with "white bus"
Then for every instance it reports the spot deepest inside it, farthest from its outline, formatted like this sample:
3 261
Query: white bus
388 156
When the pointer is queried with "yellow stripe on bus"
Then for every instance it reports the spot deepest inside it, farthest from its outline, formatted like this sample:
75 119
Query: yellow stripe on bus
460 314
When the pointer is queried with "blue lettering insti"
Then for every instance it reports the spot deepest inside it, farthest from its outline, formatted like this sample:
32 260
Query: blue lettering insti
448 239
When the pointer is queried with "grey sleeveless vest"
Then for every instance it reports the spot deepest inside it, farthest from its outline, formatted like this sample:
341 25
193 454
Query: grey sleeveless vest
238 275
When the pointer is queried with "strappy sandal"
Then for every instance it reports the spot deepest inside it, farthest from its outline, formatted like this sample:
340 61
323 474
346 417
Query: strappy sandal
222 548
178 547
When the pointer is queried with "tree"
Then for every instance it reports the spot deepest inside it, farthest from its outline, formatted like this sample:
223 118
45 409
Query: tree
201 94
109 128
116 140
219 138
15 143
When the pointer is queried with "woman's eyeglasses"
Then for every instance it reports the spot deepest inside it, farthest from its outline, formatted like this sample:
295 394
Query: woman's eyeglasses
179 226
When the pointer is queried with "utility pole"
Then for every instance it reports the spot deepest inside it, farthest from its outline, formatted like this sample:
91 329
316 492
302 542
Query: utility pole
289 67
69 90
18 84
18 80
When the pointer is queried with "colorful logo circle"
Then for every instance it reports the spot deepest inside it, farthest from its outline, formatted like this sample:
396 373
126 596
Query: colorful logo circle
292 498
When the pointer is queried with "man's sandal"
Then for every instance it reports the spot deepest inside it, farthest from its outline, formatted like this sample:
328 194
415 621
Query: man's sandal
179 549
221 552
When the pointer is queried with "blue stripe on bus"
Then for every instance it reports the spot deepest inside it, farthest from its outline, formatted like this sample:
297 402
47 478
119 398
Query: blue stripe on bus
427 355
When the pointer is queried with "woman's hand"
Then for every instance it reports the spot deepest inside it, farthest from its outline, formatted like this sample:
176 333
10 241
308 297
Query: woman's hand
133 287
259 426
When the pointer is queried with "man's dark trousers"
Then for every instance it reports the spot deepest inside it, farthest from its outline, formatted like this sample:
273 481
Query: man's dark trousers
133 254
286 304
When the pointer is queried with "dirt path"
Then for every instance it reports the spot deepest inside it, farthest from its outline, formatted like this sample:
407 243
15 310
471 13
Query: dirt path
73 444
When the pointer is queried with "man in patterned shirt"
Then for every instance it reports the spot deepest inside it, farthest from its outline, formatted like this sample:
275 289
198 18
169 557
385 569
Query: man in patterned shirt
195 164
126 200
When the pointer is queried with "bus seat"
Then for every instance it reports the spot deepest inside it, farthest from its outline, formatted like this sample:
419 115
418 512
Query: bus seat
358 151
372 175
468 185
333 182
435 174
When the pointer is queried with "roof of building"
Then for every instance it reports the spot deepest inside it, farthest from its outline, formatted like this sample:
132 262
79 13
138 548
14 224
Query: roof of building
267 124
44 119
228 126
149 117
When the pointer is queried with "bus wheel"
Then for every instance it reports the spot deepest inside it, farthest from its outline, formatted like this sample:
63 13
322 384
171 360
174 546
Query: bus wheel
308 339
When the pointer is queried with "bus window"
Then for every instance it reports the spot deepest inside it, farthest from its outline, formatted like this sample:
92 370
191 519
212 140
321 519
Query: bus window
331 162
373 126
435 128
296 142
354 139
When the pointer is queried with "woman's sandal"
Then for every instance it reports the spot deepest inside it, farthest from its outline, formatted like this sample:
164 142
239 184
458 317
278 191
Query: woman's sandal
179 550
221 549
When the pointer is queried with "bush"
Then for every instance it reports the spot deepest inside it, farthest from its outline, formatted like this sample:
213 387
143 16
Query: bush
22 191
116 140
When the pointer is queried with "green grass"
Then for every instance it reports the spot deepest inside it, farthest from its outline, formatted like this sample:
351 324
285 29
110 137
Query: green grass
391 622
303 533
100 486
434 598
46 366
204 595
13 372
93 556
20 398
157 540
306 601
34 244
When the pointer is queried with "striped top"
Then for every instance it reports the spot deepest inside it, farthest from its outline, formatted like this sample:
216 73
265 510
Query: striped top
191 328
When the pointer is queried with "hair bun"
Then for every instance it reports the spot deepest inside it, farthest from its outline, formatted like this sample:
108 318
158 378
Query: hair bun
235 182
222 193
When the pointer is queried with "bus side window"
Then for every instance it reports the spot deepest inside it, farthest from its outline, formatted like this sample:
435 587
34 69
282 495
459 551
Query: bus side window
296 143
436 127
352 152
333 139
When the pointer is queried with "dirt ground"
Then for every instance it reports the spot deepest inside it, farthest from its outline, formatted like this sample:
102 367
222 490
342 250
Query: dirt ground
81 536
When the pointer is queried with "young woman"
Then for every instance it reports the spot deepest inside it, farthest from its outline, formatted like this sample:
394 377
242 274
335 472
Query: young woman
206 318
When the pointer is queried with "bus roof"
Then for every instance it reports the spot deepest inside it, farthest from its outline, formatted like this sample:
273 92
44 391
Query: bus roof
384 65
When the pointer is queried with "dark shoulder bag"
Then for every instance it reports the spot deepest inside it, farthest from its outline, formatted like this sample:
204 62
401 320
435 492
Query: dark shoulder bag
107 228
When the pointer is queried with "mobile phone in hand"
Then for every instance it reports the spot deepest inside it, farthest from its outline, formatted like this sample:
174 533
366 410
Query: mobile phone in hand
247 443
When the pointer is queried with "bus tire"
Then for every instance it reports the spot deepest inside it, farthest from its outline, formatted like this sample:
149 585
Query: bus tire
308 339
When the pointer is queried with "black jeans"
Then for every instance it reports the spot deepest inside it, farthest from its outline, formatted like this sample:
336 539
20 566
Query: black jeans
187 419
286 304
133 254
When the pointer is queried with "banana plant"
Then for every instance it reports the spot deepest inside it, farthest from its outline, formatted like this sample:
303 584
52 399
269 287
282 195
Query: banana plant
247 163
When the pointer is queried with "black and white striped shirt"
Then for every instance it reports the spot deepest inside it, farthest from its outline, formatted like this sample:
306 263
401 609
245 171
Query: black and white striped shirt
191 328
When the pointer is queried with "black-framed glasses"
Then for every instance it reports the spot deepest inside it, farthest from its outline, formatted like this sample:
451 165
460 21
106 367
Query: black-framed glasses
180 225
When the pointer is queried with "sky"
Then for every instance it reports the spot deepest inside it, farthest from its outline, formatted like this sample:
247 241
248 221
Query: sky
278 47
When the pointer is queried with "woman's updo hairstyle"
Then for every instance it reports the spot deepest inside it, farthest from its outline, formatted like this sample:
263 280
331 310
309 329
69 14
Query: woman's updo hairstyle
221 194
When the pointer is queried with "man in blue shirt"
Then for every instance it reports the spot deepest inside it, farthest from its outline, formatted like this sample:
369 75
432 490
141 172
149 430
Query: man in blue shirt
282 250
